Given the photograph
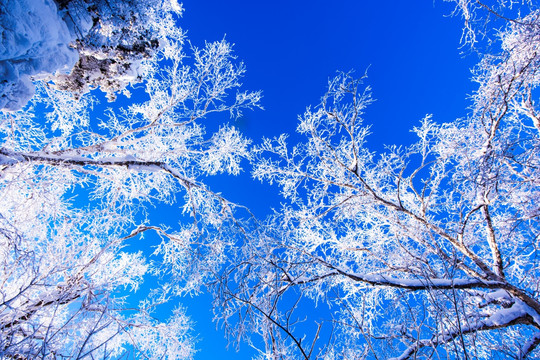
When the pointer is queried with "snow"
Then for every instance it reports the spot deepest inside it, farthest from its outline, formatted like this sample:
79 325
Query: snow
34 43
499 319
416 283
177 7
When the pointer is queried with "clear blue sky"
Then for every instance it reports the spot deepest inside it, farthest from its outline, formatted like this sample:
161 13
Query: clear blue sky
292 48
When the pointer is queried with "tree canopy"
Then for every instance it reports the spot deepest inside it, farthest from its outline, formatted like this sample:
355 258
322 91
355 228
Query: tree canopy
75 189
424 251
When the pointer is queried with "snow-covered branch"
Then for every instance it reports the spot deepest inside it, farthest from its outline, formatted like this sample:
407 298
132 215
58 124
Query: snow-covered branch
517 314
435 241
75 177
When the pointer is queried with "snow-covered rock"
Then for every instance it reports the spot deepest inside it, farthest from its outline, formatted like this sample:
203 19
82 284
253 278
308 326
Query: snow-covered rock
34 43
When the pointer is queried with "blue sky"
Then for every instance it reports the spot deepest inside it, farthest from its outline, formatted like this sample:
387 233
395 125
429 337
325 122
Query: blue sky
292 48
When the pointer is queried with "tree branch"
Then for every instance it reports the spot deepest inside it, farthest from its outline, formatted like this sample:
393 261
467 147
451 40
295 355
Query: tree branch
503 318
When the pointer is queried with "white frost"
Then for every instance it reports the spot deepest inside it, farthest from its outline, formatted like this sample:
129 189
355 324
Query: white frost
177 7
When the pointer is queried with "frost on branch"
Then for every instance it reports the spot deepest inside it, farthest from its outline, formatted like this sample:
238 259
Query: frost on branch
425 251
507 81
483 19
77 183
60 267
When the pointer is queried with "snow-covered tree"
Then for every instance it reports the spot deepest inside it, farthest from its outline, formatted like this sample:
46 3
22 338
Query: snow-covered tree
111 38
483 19
425 251
76 180
79 45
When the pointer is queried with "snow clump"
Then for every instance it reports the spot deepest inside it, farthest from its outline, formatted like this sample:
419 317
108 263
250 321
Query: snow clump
34 43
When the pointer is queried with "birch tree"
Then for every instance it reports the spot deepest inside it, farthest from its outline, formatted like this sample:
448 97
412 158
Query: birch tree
76 182
424 251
